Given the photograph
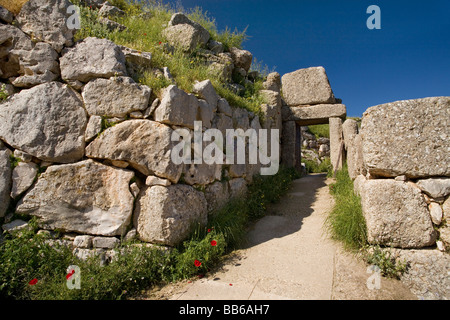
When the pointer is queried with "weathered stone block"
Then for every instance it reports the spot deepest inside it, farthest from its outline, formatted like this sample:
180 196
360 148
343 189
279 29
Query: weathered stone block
47 121
92 58
166 215
307 86
146 145
115 97
409 137
85 197
396 214
177 108
46 20
311 115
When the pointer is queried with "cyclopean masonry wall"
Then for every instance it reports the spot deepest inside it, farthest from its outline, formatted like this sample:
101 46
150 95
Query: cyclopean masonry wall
401 166
95 146
309 100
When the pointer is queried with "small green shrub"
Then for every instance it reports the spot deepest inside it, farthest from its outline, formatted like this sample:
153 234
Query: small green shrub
313 167
199 255
3 93
14 161
269 189
390 267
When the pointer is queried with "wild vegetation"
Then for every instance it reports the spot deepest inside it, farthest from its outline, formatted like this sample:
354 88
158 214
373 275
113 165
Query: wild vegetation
143 33
346 221
34 265
347 225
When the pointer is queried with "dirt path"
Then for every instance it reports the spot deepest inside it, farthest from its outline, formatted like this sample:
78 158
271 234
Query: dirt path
288 255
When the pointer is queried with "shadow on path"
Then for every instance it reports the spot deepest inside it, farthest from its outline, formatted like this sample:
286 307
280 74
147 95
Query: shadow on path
286 217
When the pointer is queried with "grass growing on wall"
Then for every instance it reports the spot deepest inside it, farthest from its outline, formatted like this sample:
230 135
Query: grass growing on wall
144 34
30 256
346 222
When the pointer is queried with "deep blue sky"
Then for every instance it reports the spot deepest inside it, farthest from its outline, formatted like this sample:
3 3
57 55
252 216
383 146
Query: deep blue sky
408 58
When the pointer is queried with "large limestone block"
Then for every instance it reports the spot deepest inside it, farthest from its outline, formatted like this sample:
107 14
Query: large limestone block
396 214
177 108
46 20
5 179
238 188
223 123
217 195
46 121
289 141
23 177
92 58
37 66
12 38
180 19
202 174
166 215
146 145
312 115
6 15
273 82
336 138
206 91
428 272
186 36
349 131
352 141
115 97
24 62
241 58
85 197
410 137
307 86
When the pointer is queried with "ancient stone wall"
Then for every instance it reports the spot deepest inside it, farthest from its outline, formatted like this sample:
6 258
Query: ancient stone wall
401 166
88 151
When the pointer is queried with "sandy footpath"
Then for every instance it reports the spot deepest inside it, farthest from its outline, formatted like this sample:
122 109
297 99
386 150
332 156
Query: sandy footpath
288 255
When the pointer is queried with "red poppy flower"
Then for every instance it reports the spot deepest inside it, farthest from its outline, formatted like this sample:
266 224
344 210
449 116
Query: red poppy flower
33 282
145 34
160 42
214 243
197 263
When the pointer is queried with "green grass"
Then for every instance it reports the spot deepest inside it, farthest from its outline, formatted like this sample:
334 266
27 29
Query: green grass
144 34
3 93
347 225
27 255
346 222
320 130
312 166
